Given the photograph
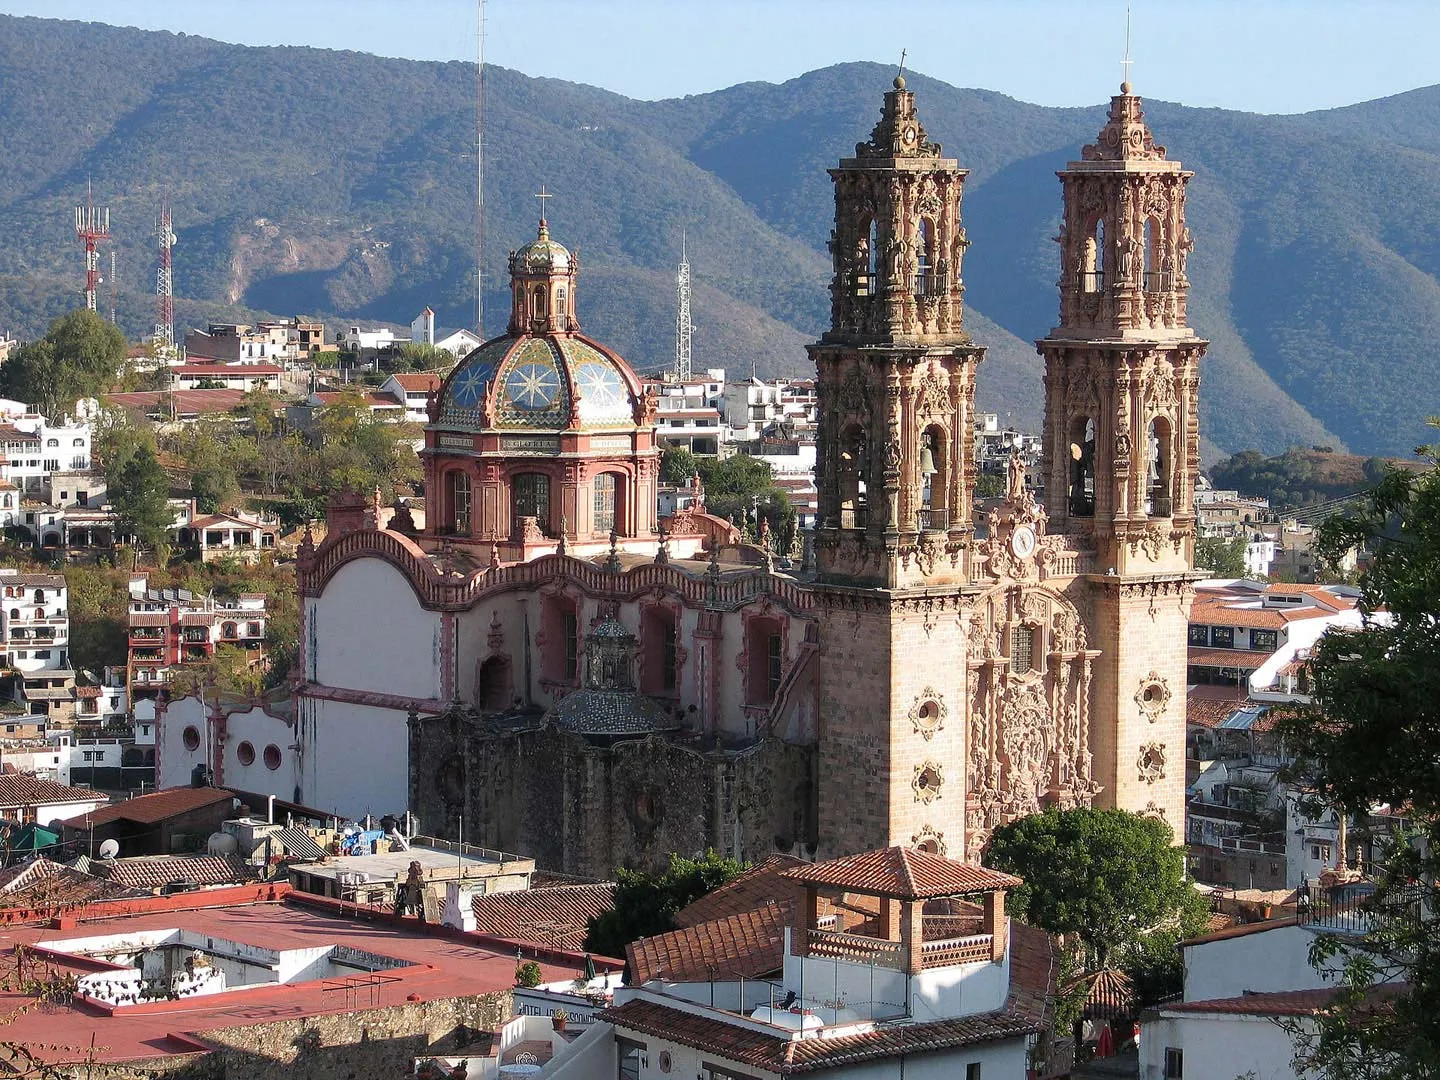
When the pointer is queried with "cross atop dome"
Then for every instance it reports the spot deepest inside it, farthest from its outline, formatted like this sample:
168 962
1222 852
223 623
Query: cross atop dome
542 195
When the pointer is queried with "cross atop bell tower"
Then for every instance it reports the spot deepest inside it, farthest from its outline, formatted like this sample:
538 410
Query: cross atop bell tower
896 369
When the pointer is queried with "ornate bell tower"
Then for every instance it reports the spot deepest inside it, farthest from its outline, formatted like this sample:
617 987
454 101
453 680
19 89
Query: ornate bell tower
895 471
1122 447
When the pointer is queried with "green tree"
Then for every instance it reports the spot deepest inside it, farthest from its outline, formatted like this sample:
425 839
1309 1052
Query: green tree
1370 737
645 904
740 485
1225 557
677 465
1109 877
97 606
140 493
79 356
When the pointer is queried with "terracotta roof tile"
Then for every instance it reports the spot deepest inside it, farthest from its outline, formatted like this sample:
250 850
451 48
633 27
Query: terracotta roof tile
902 873
1209 710
155 871
557 915
1242 930
1249 659
415 382
43 883
750 944
149 809
26 789
1281 1003
759 885
789 1057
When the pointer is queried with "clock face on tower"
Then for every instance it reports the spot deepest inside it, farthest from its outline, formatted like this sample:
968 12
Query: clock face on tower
533 386
600 384
1022 542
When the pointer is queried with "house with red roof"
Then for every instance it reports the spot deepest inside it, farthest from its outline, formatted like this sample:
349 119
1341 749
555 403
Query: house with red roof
1242 984
847 968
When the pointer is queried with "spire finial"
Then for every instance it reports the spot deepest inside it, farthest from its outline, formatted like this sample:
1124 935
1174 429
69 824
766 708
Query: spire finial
1125 64
900 74
542 195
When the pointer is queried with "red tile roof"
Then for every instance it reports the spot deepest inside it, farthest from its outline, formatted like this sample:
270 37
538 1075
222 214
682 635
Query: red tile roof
43 884
1205 708
186 401
902 873
1249 659
789 1057
1281 1003
748 945
761 884
416 381
1240 930
227 370
149 809
557 915
154 871
26 789
10 433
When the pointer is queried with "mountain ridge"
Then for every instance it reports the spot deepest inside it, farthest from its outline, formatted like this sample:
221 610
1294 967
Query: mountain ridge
342 185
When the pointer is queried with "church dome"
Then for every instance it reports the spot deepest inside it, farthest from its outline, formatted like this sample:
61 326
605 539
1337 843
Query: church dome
541 381
543 374
542 255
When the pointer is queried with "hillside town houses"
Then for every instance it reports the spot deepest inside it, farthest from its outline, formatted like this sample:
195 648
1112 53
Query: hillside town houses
552 662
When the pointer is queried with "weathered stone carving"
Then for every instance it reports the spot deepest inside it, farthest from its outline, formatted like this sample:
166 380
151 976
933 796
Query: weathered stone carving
1153 696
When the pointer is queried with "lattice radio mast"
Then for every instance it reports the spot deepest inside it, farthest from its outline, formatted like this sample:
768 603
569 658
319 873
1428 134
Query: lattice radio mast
164 283
683 327
114 289
480 171
92 225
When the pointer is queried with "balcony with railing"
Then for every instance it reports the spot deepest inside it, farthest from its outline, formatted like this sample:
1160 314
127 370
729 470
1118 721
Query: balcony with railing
1158 281
856 948
929 283
1092 281
1159 503
930 520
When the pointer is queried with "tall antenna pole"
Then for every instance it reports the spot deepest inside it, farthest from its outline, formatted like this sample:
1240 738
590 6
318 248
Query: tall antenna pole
114 288
683 326
92 225
164 336
480 171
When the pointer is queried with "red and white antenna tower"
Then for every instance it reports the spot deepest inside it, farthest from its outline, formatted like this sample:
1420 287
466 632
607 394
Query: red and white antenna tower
164 297
92 225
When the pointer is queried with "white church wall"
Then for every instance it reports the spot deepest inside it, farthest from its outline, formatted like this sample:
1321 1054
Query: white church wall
271 741
356 758
368 632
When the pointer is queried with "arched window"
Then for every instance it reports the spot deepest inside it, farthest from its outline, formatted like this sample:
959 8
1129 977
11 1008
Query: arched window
78 442
560 308
15 613
1160 469
924 284
865 259
1082 467
934 479
1092 270
39 596
530 498
229 630
458 482
1156 278
39 613
852 467
52 442
605 503
541 302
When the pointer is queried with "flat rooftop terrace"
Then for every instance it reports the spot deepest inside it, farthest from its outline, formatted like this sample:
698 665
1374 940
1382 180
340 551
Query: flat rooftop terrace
435 963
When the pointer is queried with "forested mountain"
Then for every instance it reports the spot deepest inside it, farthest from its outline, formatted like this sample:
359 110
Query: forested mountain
342 185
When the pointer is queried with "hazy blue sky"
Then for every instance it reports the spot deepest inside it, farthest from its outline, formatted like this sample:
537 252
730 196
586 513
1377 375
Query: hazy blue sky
1260 55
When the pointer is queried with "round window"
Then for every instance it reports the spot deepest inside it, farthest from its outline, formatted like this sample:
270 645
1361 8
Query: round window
191 738
246 753
272 757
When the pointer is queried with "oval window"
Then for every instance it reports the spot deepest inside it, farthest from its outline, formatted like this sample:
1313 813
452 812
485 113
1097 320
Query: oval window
246 753
272 757
191 738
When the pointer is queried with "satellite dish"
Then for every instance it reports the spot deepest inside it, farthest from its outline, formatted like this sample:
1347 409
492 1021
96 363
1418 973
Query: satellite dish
109 849
221 844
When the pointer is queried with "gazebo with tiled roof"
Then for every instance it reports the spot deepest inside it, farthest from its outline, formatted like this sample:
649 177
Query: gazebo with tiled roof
903 880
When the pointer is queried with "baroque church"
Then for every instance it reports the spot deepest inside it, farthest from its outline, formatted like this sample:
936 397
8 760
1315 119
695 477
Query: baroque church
549 668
